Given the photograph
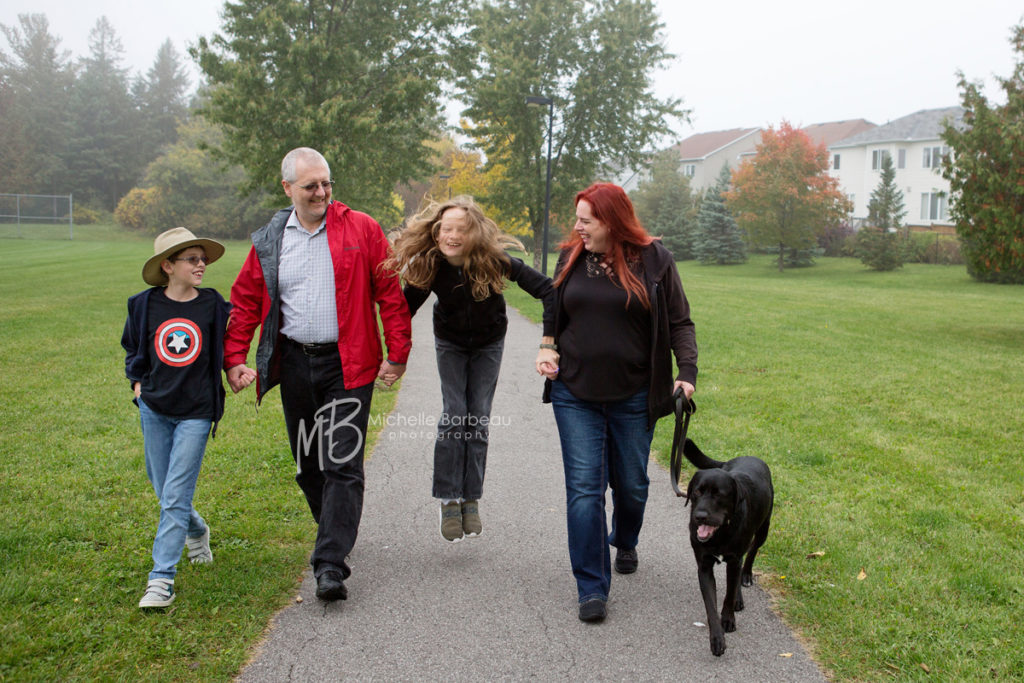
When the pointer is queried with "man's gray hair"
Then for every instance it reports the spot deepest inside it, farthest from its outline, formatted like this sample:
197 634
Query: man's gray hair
290 160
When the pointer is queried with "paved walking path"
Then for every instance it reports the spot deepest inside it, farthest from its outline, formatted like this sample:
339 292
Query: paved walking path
503 606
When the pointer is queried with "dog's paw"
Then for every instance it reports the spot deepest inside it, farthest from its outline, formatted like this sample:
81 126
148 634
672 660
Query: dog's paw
747 580
737 604
718 645
728 622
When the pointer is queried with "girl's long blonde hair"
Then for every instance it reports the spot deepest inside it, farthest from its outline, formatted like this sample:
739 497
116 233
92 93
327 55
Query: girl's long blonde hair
416 255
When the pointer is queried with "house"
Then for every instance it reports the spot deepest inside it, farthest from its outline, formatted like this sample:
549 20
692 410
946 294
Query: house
701 156
827 133
834 131
915 145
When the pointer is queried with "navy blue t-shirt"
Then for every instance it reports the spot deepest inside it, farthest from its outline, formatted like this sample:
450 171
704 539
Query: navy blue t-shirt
179 335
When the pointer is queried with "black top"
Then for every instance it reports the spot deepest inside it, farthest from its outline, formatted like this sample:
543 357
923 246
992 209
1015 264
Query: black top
605 344
672 330
460 319
180 337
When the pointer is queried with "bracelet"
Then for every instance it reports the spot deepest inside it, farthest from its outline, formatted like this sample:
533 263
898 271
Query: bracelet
553 347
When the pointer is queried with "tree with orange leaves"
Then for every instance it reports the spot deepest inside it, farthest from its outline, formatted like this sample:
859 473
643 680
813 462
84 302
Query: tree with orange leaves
784 197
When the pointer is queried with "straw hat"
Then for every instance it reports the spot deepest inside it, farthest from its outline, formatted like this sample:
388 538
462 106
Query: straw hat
167 243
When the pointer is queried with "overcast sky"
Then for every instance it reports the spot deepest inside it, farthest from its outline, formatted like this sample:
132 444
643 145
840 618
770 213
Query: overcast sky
743 63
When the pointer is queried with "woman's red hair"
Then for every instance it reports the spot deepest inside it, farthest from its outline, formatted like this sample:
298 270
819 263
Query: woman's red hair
610 204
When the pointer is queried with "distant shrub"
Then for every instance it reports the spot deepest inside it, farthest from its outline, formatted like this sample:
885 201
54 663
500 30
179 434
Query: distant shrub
136 209
926 247
83 215
837 240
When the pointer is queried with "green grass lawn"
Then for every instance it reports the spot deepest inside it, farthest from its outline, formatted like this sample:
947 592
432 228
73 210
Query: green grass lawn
78 514
887 404
890 408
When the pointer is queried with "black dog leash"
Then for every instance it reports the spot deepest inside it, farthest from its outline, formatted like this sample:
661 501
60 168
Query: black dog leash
684 408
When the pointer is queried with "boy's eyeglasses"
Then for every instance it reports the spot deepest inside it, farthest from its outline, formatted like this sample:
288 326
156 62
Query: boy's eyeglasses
193 260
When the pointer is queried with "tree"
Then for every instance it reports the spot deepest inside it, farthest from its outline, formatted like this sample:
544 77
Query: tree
718 239
664 205
361 82
986 176
784 197
161 99
877 243
595 60
35 86
102 153
187 186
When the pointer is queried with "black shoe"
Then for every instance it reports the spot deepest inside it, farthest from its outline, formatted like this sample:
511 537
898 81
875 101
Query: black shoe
330 586
593 610
626 560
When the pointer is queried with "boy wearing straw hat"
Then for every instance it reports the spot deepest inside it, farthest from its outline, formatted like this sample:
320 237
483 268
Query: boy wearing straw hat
173 339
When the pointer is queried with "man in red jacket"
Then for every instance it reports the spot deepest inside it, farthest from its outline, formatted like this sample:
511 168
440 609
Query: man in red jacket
311 282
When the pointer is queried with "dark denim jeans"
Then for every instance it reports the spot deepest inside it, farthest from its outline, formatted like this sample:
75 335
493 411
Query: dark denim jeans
327 432
602 444
468 380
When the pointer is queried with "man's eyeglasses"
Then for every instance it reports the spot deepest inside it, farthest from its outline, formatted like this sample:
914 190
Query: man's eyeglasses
193 260
312 187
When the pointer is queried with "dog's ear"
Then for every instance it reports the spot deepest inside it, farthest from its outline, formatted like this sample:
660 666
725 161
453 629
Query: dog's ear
689 488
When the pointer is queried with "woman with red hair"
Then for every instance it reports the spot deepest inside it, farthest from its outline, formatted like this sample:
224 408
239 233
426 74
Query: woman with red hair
620 315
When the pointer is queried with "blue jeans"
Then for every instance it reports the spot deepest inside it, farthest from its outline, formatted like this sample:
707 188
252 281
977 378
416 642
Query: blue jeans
174 450
602 444
468 380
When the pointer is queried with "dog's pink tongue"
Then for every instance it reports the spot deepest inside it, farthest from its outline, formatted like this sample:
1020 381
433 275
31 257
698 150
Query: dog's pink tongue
705 531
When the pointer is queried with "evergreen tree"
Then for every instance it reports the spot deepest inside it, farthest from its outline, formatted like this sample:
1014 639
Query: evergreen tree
161 100
103 156
35 86
878 245
664 204
718 240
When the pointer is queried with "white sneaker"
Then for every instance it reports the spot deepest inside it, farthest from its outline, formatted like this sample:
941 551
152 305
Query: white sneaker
159 593
199 548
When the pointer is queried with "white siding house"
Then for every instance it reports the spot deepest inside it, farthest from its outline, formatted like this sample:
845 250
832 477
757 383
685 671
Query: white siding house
702 156
916 149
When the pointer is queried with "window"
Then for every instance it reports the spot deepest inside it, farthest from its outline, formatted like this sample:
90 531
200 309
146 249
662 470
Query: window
689 170
835 162
933 206
853 202
876 158
901 158
933 156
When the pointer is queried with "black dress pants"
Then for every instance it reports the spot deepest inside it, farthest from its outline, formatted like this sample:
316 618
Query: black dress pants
327 432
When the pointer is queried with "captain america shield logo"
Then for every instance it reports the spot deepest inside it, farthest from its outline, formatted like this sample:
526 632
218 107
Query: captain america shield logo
178 342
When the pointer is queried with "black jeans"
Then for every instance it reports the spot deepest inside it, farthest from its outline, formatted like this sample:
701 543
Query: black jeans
468 380
327 433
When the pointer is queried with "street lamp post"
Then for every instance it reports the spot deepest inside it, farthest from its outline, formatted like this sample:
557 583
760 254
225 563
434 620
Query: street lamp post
535 99
445 177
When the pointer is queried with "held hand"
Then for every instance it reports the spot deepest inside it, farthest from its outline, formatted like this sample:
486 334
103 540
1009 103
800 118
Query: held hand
390 373
687 388
547 363
239 377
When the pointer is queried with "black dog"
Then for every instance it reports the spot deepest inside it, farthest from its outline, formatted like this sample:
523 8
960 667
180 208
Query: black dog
732 508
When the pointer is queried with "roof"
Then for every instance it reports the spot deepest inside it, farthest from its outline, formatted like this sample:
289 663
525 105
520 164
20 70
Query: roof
834 131
702 145
922 125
